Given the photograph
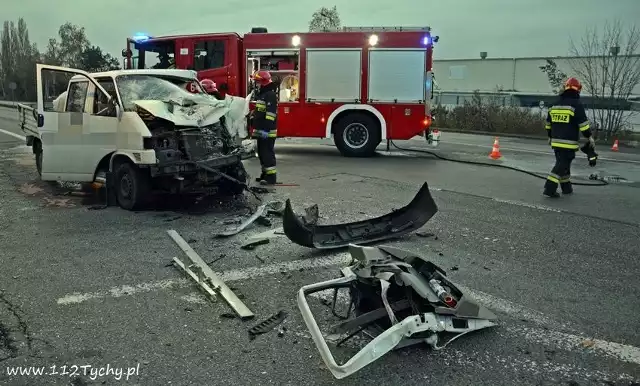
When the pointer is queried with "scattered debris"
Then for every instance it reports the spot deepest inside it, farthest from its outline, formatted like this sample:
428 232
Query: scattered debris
397 223
588 343
277 208
406 297
253 242
207 280
264 221
222 256
267 325
260 258
424 234
454 268
227 315
311 215
260 212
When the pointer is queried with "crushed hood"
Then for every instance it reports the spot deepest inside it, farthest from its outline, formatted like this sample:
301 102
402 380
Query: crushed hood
201 111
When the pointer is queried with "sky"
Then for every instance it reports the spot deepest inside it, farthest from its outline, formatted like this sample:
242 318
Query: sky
502 28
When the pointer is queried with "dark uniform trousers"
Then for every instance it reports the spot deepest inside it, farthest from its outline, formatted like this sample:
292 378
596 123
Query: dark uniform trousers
265 132
267 157
561 172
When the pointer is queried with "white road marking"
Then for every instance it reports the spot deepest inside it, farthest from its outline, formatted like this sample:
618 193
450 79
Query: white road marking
540 336
571 342
227 276
18 136
533 206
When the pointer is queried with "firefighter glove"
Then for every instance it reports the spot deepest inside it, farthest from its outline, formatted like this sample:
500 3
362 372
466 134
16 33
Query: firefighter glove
263 134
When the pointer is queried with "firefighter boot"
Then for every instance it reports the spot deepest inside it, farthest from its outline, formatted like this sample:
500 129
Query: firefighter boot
567 188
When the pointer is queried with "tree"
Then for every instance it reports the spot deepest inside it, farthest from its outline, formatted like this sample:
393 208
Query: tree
325 20
555 75
17 61
93 59
73 49
607 61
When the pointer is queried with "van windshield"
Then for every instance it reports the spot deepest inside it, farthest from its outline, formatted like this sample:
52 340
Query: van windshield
151 87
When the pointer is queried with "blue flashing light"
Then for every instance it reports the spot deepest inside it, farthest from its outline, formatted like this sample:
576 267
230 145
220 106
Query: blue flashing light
140 37
426 40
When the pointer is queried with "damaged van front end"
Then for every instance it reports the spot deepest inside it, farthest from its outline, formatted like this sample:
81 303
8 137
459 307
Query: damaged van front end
191 134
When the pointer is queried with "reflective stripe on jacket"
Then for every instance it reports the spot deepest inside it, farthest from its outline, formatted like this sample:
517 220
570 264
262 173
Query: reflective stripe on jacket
565 121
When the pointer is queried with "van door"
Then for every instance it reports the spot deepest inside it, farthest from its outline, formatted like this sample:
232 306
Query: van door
64 124
102 123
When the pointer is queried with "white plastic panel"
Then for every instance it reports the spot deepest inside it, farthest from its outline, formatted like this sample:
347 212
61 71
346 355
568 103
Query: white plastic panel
333 74
397 75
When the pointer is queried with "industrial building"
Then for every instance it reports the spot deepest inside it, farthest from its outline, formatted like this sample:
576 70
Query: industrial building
519 81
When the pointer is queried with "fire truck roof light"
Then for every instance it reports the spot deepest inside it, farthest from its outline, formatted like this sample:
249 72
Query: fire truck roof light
373 40
139 37
426 40
295 40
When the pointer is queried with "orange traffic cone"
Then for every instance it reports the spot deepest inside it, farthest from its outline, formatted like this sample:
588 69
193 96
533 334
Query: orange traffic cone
615 146
495 152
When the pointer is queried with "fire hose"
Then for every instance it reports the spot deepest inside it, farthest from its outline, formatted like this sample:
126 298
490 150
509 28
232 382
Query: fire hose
444 158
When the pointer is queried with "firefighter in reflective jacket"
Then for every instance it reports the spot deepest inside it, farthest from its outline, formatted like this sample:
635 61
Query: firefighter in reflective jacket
264 118
566 119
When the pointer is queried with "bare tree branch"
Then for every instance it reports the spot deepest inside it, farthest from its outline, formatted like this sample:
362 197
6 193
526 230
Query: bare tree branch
607 61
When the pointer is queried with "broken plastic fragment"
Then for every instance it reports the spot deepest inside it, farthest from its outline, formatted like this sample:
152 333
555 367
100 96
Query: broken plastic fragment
391 292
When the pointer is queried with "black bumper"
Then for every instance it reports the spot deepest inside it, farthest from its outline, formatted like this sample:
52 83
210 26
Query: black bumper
397 223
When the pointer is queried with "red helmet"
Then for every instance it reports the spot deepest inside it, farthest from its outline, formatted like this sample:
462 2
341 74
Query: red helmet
573 84
262 77
209 86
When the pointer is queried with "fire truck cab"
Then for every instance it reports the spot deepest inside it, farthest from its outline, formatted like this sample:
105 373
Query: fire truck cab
360 85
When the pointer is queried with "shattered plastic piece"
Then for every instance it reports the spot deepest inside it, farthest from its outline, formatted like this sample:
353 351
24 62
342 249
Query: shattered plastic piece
267 324
252 243
260 212
397 223
390 292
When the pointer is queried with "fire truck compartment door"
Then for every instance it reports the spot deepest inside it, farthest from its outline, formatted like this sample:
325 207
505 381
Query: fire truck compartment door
397 75
334 75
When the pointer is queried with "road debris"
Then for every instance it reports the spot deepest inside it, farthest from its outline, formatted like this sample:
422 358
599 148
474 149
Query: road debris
206 279
252 243
403 296
260 212
397 223
267 325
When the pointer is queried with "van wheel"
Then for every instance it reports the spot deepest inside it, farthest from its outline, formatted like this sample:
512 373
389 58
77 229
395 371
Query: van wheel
357 135
131 186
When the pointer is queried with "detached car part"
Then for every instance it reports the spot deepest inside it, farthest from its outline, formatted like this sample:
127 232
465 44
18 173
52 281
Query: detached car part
397 223
208 281
405 298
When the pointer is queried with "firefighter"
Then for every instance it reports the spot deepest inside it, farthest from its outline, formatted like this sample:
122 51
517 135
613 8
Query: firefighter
566 119
263 121
211 88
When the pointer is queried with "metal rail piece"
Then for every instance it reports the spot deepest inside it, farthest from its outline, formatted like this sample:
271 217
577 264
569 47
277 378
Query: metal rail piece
231 298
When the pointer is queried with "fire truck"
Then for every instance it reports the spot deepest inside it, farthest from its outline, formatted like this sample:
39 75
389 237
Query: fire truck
359 85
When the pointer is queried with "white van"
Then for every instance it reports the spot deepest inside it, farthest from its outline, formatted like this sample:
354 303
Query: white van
138 130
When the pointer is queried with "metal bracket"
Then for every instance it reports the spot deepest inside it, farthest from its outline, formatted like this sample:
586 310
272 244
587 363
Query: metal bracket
208 278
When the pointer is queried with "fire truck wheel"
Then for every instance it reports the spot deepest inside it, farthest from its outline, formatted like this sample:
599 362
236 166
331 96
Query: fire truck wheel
357 135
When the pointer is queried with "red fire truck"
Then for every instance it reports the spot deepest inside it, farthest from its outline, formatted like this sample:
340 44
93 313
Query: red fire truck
360 85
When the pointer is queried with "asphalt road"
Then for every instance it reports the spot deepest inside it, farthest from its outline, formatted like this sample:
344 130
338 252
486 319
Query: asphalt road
91 287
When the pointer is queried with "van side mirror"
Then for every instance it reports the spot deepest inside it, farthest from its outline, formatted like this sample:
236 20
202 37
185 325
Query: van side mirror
113 104
40 120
